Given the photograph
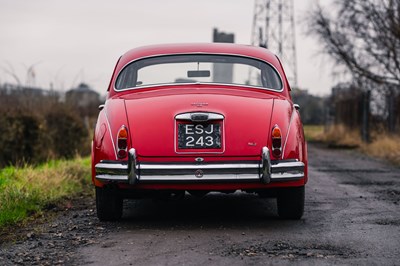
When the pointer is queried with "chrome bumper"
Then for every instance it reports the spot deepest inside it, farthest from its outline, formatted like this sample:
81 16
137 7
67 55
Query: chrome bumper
265 171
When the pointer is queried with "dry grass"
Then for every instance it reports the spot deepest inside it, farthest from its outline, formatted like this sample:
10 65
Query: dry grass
340 136
313 132
386 147
382 146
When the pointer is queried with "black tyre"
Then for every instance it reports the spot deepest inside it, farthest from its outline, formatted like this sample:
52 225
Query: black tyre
108 204
291 203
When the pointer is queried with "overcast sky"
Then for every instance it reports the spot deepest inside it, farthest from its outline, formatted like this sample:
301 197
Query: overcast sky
75 41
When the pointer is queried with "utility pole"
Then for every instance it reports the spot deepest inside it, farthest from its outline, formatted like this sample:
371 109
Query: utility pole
274 28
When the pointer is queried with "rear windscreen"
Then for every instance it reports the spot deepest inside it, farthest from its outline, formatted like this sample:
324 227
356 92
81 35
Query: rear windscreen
215 69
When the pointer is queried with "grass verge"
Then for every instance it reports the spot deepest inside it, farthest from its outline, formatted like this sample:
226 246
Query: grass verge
29 189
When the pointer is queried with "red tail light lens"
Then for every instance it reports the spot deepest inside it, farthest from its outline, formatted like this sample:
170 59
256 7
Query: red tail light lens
122 153
122 142
276 141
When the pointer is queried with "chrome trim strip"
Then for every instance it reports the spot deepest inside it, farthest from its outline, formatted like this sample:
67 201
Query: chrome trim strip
111 169
120 178
112 140
286 177
225 177
188 116
287 134
197 166
112 166
199 83
287 171
288 167
198 53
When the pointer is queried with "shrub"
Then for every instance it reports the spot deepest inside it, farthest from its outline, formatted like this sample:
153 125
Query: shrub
41 130
66 131
20 137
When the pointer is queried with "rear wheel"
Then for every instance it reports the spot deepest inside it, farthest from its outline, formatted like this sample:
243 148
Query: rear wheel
291 203
108 204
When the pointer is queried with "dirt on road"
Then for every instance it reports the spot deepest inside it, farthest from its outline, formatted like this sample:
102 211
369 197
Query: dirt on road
352 216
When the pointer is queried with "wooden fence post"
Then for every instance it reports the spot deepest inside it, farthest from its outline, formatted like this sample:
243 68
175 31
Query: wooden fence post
365 130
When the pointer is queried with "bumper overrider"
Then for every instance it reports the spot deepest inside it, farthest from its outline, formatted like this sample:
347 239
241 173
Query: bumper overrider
265 170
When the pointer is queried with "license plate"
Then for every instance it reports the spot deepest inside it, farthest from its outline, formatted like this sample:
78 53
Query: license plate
199 136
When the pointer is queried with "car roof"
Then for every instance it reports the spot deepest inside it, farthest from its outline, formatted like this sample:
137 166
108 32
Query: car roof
189 48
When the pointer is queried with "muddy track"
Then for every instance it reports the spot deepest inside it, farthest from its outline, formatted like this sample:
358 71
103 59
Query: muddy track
352 216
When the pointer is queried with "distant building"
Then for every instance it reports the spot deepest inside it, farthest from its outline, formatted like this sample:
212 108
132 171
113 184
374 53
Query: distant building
82 96
223 72
84 99
220 36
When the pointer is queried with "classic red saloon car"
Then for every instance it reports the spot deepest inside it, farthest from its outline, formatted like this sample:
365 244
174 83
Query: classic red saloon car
198 118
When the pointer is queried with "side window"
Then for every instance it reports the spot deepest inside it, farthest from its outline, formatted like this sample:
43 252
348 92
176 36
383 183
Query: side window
270 78
127 78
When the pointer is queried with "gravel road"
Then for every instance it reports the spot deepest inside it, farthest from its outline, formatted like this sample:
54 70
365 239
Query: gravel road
352 216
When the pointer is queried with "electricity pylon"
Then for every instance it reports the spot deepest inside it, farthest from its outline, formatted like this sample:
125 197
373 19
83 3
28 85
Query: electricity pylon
274 28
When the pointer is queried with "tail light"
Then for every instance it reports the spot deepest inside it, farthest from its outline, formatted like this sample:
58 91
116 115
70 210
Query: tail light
276 141
122 142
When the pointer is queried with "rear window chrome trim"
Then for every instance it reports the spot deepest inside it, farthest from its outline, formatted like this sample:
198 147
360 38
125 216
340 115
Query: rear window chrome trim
210 116
115 78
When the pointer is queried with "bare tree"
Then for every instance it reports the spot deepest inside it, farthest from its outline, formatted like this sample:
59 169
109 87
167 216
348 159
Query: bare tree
11 71
363 36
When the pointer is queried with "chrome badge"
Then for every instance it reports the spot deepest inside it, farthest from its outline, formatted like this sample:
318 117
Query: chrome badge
199 104
199 173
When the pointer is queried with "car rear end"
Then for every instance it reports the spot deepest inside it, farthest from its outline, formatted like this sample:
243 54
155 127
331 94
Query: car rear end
196 136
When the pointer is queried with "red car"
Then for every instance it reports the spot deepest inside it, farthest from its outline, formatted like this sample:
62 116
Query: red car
198 118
